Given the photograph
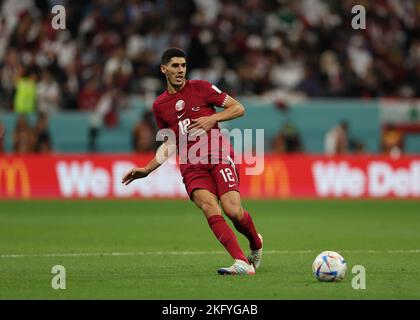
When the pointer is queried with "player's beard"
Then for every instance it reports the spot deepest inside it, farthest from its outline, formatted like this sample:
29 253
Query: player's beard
177 84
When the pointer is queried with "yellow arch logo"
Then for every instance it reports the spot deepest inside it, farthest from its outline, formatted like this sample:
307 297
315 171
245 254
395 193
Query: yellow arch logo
11 172
274 181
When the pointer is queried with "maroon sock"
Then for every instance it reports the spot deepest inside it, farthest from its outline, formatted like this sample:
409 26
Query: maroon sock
226 237
247 228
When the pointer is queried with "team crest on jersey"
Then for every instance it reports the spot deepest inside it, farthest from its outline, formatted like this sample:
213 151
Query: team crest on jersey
179 105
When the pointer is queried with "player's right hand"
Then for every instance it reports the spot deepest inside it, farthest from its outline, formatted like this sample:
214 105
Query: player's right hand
133 174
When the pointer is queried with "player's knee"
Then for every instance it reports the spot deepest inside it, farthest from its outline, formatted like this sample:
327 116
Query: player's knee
233 210
210 209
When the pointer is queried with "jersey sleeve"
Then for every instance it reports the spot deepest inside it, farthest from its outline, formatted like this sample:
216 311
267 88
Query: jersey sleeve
212 94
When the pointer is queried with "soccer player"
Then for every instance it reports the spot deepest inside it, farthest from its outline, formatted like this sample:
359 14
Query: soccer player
187 108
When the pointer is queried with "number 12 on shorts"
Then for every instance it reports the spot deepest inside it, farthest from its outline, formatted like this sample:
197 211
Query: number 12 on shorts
227 175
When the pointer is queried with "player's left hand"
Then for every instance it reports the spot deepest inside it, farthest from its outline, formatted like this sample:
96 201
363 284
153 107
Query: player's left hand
201 125
133 174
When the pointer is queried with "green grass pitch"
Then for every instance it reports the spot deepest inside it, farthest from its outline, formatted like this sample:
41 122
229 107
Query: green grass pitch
165 250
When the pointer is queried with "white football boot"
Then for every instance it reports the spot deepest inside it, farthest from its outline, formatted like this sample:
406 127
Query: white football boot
255 256
238 268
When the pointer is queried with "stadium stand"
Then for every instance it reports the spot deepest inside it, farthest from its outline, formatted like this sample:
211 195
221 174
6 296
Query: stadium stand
279 51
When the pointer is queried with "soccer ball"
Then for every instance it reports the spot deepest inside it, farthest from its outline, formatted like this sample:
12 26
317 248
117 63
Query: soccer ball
329 266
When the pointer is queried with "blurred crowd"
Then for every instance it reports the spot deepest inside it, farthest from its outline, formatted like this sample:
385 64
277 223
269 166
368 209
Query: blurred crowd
339 141
246 47
28 138
109 53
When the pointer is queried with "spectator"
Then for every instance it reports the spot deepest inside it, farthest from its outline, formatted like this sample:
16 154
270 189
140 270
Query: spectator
25 95
392 141
23 136
10 71
119 68
93 132
89 95
144 134
356 146
108 106
105 114
2 134
43 142
336 139
71 88
287 139
49 94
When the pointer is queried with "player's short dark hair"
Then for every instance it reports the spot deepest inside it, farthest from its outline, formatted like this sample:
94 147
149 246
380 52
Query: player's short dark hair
171 53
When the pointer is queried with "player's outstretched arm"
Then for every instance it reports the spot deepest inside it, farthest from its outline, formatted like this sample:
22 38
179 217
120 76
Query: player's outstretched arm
135 173
164 152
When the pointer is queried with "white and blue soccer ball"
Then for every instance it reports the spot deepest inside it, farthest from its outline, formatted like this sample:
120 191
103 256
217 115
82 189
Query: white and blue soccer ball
329 266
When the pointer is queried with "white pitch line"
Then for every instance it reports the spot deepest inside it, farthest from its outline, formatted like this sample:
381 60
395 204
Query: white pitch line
164 253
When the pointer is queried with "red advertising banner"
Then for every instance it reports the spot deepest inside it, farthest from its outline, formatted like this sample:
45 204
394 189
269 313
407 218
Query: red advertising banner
283 176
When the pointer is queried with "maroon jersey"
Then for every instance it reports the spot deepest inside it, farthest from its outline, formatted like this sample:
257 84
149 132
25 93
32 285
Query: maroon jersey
175 111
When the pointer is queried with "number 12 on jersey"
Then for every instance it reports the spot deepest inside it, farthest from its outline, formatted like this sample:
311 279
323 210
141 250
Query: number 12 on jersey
183 125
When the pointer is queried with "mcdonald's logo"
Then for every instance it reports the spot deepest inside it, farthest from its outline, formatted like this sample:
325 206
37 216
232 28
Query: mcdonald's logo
11 171
273 182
